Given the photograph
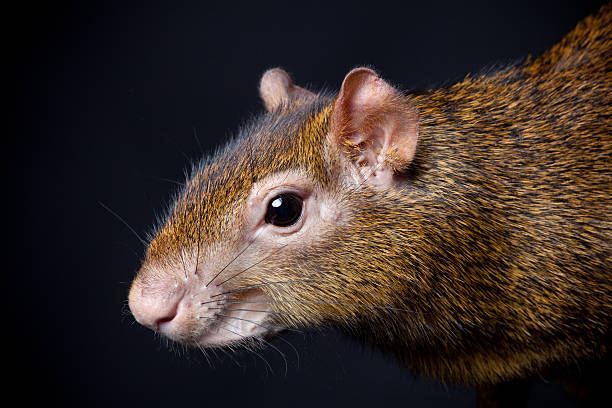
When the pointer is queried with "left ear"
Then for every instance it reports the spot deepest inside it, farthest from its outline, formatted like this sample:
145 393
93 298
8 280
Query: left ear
276 89
374 126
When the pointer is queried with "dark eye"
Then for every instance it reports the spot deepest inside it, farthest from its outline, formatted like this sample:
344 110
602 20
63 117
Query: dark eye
284 210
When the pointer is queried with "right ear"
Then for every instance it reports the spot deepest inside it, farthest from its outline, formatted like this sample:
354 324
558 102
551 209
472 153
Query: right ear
374 127
276 89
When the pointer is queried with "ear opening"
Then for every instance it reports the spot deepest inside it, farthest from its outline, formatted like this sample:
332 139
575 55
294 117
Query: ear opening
374 126
276 89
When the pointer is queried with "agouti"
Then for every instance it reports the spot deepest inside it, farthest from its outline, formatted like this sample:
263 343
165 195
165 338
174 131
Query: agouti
464 230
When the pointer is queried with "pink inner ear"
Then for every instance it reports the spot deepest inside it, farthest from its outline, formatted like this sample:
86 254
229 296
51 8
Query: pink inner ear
369 92
373 120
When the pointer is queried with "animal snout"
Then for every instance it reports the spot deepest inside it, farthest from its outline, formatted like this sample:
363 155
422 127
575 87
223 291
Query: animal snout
155 309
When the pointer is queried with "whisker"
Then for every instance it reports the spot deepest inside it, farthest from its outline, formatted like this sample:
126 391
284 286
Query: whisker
205 354
167 180
124 223
259 338
261 311
217 348
260 325
280 338
231 357
256 263
246 320
230 262
259 285
322 302
250 349
195 136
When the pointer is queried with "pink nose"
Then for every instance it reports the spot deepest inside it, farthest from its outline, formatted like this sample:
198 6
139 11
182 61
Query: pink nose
154 308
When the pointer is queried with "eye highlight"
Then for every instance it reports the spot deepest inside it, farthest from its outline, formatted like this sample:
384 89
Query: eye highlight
284 210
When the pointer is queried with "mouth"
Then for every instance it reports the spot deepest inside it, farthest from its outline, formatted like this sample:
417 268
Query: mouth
235 320
198 315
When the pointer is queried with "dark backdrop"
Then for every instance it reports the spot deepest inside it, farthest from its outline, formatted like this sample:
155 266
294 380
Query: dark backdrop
113 99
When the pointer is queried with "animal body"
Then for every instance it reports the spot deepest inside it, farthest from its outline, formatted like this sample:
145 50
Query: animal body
464 230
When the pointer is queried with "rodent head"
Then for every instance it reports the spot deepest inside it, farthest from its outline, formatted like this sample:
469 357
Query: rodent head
270 232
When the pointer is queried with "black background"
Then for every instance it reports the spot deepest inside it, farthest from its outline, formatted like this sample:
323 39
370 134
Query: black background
108 98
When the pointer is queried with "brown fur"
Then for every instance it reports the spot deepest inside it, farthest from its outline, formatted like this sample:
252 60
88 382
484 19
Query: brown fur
492 263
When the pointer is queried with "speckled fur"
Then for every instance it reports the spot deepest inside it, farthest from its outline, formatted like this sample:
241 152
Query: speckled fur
492 263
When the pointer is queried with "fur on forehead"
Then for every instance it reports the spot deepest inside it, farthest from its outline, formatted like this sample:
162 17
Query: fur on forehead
291 137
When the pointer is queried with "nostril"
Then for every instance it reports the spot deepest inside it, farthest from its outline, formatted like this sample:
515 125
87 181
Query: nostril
166 319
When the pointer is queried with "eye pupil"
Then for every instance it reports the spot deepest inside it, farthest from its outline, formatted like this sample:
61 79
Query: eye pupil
284 210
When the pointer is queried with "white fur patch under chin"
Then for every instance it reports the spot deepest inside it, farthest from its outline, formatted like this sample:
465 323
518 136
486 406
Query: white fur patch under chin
239 321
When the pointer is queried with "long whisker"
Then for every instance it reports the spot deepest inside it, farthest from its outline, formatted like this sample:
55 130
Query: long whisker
261 311
222 349
322 302
256 263
246 320
261 325
250 349
230 262
280 338
261 339
230 356
205 354
259 285
195 136
124 223
167 180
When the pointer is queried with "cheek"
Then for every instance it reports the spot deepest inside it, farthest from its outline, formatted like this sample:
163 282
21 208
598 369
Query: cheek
329 213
